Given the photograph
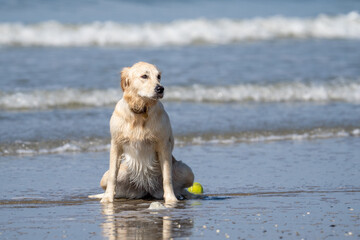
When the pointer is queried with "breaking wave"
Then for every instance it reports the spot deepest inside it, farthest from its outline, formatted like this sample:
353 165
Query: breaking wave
333 91
180 32
277 92
103 144
62 98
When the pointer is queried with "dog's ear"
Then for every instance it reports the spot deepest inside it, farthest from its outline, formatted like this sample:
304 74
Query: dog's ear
124 78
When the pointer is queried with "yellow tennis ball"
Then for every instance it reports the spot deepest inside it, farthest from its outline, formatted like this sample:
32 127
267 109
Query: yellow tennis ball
196 188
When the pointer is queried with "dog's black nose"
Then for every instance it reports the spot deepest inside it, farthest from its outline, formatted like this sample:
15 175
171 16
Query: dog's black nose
159 89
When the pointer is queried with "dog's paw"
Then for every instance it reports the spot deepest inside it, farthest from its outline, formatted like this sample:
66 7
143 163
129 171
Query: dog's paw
107 198
171 200
171 203
97 196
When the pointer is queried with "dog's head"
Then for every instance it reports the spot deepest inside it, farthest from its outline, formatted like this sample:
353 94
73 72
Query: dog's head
142 80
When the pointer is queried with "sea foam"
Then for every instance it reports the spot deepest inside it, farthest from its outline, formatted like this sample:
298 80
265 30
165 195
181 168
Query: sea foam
333 91
180 32
103 144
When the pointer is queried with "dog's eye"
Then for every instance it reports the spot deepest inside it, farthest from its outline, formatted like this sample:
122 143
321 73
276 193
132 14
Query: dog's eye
145 76
159 77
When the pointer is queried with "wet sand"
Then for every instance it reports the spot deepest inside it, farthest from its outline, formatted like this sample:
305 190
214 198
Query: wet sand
271 190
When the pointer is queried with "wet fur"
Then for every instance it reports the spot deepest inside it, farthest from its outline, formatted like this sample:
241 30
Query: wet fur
141 161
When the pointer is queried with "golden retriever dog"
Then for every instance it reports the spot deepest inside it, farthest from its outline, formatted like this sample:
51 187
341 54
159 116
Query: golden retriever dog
141 160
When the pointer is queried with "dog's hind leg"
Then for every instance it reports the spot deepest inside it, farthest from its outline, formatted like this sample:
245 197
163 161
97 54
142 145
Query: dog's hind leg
97 196
103 184
104 180
183 177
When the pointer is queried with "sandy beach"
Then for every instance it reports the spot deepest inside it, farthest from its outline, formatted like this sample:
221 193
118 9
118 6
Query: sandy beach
273 190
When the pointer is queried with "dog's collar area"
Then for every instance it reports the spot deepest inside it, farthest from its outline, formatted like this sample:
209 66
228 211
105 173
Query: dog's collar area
140 111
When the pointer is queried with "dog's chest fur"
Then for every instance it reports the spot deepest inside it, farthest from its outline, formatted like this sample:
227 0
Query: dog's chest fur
143 168
138 137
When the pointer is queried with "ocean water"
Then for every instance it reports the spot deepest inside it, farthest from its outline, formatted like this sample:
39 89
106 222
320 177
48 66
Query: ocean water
269 90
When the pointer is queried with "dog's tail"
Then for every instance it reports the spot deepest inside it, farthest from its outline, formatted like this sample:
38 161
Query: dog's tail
96 196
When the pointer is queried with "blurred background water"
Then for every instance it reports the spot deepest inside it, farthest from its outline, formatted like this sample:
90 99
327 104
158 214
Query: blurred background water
237 74
250 70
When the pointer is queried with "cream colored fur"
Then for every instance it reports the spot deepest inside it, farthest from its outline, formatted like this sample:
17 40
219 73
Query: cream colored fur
141 161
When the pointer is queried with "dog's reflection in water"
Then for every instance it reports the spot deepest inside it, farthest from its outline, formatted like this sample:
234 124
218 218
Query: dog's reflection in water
124 220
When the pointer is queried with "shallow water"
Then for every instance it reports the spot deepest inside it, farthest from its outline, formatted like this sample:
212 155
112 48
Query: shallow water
289 189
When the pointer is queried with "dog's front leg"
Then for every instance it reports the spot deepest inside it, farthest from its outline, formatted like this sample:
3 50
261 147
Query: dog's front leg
165 159
115 153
